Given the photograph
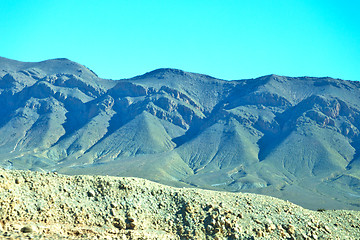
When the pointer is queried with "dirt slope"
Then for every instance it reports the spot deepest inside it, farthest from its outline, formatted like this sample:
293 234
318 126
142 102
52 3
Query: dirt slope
47 205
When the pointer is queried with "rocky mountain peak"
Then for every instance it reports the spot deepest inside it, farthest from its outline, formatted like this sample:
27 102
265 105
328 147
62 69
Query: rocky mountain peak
172 74
163 73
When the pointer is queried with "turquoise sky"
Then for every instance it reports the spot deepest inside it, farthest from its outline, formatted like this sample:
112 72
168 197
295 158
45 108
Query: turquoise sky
226 38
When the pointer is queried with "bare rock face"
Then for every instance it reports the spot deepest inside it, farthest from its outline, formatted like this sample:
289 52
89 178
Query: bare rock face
293 138
37 205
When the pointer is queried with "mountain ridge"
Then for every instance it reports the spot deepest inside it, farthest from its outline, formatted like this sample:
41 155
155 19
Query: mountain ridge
274 135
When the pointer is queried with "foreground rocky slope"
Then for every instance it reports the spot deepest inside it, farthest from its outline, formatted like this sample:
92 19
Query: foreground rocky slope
48 205
293 138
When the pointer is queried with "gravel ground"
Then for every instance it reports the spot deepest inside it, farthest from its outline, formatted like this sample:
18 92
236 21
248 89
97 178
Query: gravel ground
37 205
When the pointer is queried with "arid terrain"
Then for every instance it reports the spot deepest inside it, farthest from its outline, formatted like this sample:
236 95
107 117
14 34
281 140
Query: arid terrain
294 138
36 205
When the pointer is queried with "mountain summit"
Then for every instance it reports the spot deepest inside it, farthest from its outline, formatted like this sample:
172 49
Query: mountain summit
293 138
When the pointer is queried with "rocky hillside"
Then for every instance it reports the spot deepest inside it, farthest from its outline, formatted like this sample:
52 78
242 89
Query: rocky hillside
37 205
293 138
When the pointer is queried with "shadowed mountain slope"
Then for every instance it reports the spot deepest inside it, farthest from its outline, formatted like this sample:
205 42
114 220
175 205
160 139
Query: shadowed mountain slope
293 138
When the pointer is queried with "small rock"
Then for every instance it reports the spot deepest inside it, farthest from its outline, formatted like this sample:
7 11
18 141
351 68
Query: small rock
26 229
209 228
113 204
282 233
130 222
327 229
235 236
257 221
228 223
271 227
131 225
290 229
91 193
237 228
119 223
112 212
216 230
259 232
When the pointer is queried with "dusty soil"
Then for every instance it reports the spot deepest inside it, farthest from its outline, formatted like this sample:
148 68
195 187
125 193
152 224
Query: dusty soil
37 205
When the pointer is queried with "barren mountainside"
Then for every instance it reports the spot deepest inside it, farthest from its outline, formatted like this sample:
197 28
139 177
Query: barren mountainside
295 138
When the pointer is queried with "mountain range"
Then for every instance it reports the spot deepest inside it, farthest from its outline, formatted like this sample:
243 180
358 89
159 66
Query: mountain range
296 138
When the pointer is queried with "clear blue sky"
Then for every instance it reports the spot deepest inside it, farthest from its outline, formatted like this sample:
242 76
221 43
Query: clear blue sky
229 39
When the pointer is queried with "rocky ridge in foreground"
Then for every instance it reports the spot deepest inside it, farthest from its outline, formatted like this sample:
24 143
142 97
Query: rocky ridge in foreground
48 205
